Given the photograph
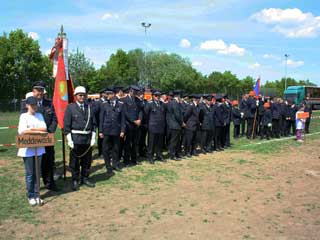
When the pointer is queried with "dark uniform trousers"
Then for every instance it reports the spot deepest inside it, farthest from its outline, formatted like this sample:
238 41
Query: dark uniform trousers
175 135
266 132
80 156
206 140
155 141
290 125
190 146
276 128
249 127
219 140
131 144
47 165
111 146
227 135
100 143
243 126
142 148
236 131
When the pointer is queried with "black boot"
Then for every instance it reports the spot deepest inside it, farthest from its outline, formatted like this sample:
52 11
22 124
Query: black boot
75 185
86 182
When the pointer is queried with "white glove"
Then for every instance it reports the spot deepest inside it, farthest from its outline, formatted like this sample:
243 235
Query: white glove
93 139
257 103
242 114
69 140
269 124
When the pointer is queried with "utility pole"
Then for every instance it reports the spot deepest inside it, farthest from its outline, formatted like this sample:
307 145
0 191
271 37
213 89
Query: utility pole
146 26
285 73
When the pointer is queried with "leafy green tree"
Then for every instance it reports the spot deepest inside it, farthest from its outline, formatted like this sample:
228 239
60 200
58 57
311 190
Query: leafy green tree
21 64
83 72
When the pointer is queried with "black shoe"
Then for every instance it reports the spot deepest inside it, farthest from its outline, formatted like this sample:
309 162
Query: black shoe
52 187
189 155
116 168
160 158
151 161
195 154
86 182
109 174
75 185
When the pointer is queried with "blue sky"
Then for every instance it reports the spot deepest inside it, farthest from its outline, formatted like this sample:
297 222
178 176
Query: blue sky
248 37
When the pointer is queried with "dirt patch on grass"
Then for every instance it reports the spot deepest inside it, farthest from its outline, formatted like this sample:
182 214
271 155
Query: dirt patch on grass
226 195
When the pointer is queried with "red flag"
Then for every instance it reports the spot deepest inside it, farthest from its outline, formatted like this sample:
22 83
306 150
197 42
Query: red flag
60 95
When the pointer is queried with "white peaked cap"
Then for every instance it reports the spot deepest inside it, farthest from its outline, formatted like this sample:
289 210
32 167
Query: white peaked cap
29 94
79 89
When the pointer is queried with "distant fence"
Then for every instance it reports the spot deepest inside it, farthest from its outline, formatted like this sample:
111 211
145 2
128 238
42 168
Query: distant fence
10 105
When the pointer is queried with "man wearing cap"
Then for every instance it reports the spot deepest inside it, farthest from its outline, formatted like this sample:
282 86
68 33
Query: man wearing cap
276 115
142 147
244 112
96 106
120 95
133 116
45 107
219 123
156 120
174 118
79 128
191 118
207 123
227 112
236 119
111 129
184 104
252 105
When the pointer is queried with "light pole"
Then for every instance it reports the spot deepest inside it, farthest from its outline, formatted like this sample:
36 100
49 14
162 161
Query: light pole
285 73
146 26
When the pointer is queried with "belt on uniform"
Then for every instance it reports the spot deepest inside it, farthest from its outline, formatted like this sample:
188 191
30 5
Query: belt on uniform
80 132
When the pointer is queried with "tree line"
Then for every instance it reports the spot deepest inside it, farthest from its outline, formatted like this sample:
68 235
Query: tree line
22 63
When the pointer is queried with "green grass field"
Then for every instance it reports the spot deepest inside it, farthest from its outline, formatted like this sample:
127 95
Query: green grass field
13 204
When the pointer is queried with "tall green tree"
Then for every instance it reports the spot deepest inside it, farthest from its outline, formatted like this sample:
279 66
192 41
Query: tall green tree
21 64
83 72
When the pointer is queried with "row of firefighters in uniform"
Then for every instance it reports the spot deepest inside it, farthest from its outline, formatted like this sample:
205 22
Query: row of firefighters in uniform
125 122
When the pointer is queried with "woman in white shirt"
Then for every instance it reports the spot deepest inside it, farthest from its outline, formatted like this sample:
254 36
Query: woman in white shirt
31 122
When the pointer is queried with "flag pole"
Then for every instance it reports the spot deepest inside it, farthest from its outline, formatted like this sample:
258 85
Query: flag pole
63 154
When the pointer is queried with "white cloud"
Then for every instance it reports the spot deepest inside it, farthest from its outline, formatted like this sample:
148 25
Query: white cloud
33 35
291 22
49 40
107 16
196 64
185 43
271 56
222 48
277 15
254 66
292 63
